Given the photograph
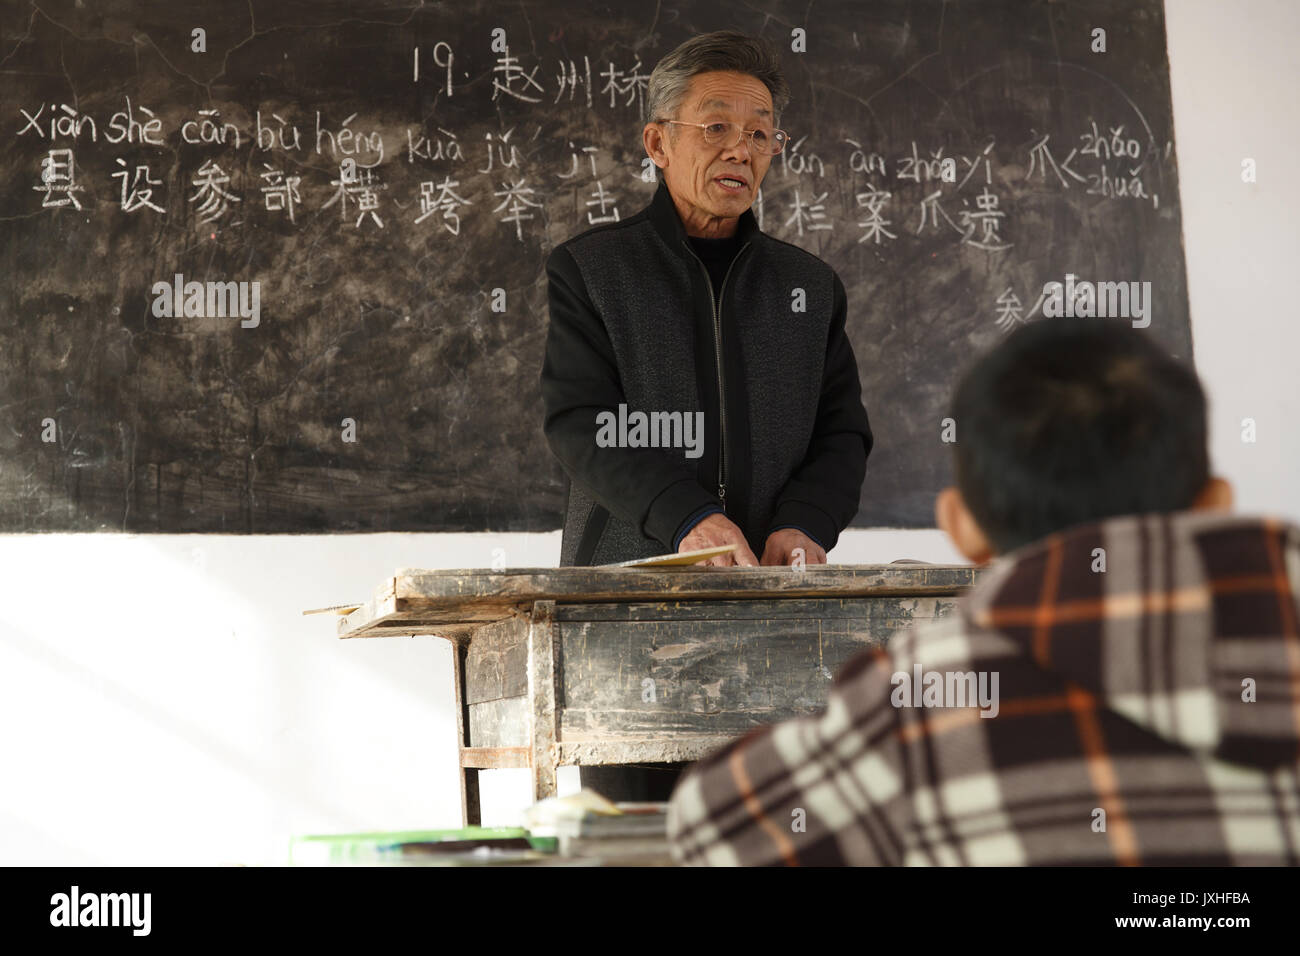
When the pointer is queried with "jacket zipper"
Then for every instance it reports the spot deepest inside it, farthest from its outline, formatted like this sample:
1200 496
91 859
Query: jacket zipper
717 347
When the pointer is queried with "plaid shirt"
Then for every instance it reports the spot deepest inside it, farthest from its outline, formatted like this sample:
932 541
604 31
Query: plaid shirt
1147 713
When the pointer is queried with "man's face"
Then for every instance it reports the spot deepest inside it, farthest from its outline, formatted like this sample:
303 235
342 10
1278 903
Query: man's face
692 168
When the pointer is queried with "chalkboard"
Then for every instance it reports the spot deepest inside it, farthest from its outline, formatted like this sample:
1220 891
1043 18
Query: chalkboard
392 177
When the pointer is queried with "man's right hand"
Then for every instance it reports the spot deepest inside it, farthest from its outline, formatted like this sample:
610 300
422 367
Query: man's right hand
714 530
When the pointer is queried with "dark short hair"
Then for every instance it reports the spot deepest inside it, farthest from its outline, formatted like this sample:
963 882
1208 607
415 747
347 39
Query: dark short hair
724 50
1068 421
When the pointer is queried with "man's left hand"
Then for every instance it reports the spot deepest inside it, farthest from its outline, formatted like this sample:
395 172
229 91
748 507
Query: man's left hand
780 545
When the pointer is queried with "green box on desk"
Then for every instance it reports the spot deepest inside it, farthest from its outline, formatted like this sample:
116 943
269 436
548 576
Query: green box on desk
396 846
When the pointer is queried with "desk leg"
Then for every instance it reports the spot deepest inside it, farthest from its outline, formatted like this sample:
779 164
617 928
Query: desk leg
470 812
542 693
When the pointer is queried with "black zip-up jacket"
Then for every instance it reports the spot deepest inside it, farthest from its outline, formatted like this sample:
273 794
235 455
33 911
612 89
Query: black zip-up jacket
633 321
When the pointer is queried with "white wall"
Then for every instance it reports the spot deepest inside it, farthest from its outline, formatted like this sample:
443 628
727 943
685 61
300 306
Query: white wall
163 701
1234 78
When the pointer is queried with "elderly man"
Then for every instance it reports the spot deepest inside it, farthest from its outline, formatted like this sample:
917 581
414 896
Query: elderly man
687 307
687 312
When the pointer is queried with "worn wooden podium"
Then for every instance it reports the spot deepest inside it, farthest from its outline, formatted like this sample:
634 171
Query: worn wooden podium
563 666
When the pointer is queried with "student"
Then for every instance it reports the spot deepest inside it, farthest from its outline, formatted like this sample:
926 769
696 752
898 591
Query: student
1119 688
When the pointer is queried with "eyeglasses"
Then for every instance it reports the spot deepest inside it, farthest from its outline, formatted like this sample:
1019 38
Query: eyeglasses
769 142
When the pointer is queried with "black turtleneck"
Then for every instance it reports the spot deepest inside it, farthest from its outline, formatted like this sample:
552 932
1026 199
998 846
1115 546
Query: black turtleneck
717 255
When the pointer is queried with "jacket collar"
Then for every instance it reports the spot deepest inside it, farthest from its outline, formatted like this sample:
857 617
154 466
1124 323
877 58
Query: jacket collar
663 214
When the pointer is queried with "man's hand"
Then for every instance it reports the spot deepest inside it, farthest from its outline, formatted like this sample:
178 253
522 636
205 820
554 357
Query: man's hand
780 546
714 530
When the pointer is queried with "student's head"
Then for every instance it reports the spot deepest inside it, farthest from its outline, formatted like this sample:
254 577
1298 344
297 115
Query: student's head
1069 421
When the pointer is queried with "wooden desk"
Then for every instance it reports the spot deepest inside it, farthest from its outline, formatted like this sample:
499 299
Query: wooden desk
564 666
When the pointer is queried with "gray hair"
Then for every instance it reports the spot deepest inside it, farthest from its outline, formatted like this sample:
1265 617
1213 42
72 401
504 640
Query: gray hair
723 50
